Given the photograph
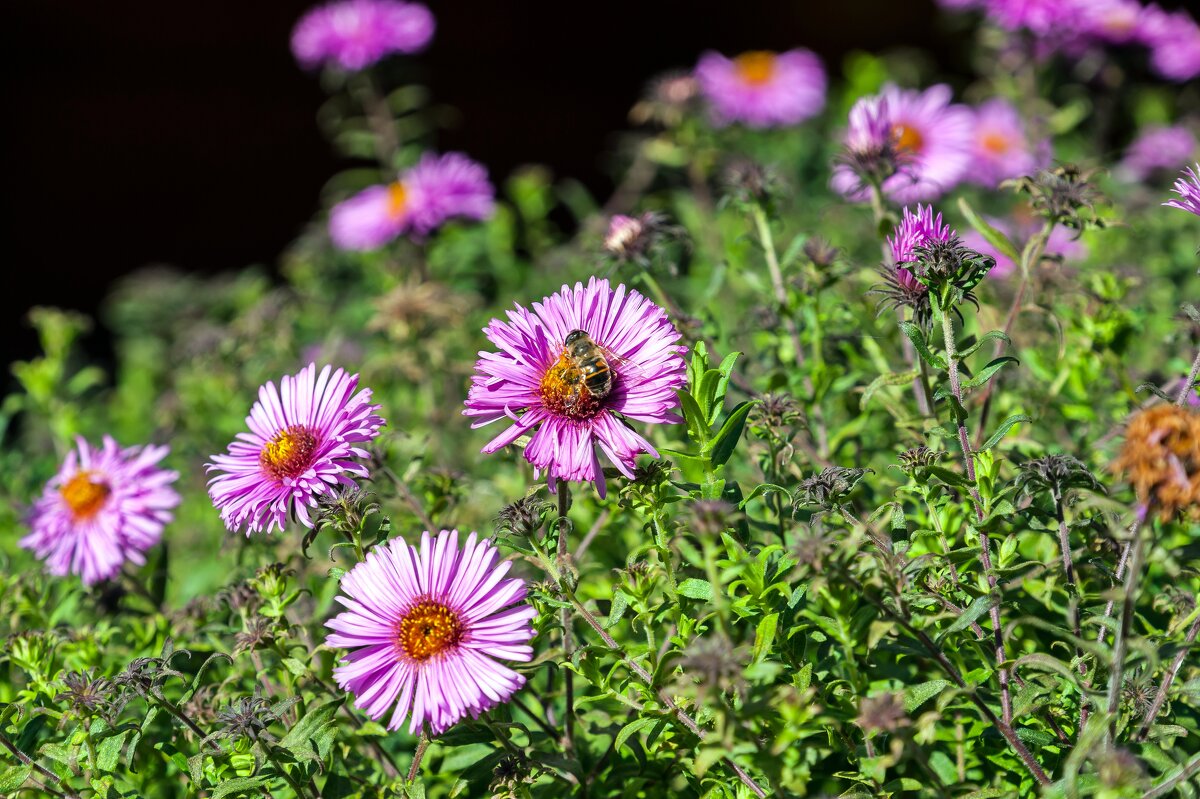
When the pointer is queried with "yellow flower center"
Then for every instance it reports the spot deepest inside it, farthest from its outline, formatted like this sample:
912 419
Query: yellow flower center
428 628
995 143
756 67
85 495
289 453
397 197
907 139
564 392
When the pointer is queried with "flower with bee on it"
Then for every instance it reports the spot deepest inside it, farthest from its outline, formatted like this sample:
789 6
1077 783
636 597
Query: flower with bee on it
574 398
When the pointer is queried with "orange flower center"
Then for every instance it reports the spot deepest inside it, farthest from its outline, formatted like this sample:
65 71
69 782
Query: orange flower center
289 453
397 197
428 628
907 139
756 67
565 393
995 143
85 495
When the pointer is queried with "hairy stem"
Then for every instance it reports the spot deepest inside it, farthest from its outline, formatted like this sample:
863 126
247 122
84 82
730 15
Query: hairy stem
563 524
985 549
680 714
1116 672
1064 547
38 767
422 746
768 244
1186 388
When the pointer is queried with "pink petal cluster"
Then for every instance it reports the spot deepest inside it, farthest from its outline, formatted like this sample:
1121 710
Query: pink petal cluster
640 346
932 137
1156 148
1002 149
437 189
354 34
1188 189
915 230
762 89
426 628
303 442
1174 41
105 506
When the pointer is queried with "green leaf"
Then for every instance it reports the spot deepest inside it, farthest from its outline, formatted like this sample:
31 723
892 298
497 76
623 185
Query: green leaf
889 379
726 371
315 727
240 785
762 489
917 695
630 728
917 338
764 636
697 427
1004 427
695 589
108 751
985 374
727 437
980 606
991 335
619 605
990 234
14 777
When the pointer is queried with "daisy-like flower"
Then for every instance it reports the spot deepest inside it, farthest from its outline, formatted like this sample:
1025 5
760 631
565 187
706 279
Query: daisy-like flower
106 506
437 189
762 89
426 628
931 137
354 34
1188 190
623 363
1156 148
302 443
1002 148
916 230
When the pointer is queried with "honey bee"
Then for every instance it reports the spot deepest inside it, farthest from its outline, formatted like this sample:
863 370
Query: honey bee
583 376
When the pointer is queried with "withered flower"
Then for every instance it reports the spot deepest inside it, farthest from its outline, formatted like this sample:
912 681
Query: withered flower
1161 459
882 713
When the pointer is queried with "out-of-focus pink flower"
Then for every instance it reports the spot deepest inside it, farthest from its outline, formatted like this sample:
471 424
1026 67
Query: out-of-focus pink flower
1156 148
930 135
1002 148
1061 243
437 189
762 89
1174 42
354 34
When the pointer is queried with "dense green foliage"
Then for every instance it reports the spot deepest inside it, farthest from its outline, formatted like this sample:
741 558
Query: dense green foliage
795 575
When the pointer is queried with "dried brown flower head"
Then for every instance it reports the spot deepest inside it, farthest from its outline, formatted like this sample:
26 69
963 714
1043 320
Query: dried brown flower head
882 713
1161 459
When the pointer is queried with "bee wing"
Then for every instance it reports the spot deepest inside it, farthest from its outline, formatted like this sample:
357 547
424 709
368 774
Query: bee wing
621 364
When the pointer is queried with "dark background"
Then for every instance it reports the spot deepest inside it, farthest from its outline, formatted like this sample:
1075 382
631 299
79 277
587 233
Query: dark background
144 131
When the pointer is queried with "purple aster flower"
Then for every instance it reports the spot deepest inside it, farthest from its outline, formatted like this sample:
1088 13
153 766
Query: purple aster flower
622 364
427 627
301 444
1002 149
1174 42
437 189
1156 148
1188 190
1112 21
931 138
762 89
915 230
1042 17
106 505
354 34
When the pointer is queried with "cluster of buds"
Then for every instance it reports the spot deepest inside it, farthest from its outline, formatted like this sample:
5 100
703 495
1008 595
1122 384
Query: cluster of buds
828 488
917 459
643 240
524 517
949 271
1063 195
750 183
1161 458
1056 474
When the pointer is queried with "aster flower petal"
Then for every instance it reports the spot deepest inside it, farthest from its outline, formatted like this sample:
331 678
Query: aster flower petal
298 448
105 506
354 34
1188 189
426 626
639 347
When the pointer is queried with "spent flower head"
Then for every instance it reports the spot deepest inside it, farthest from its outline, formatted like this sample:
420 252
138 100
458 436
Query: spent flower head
1063 195
1161 459
828 488
1056 474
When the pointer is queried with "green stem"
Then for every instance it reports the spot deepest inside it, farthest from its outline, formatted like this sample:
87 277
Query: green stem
422 746
270 751
1160 697
985 548
1116 672
563 524
1186 388
768 244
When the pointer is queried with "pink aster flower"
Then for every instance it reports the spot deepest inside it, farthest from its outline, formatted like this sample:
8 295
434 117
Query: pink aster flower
1002 148
1062 243
354 34
1112 21
931 138
1188 190
1042 17
301 444
426 627
1174 42
1156 148
762 89
915 230
437 189
572 373
106 505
